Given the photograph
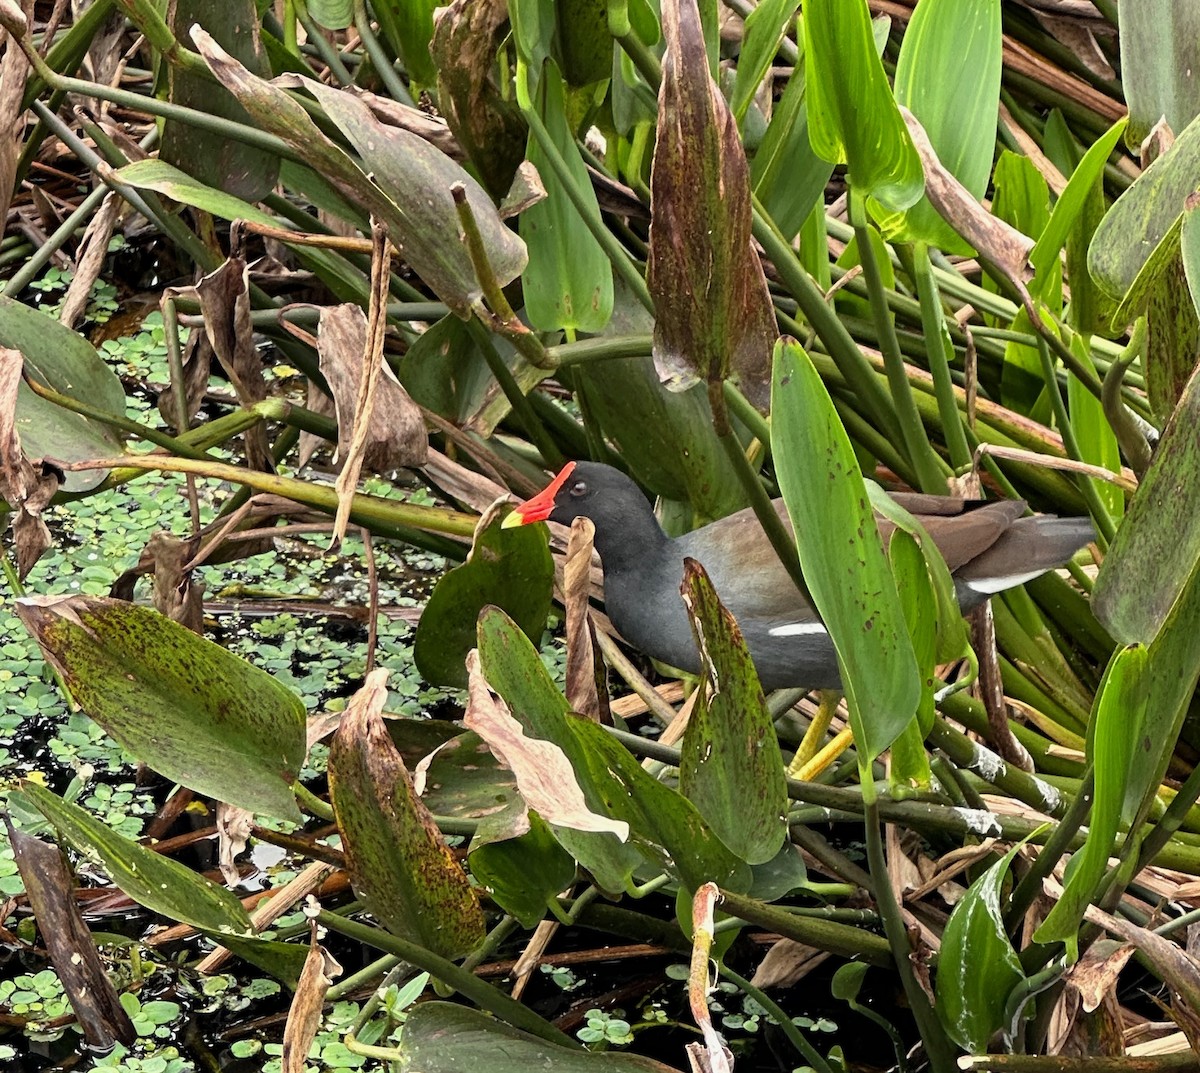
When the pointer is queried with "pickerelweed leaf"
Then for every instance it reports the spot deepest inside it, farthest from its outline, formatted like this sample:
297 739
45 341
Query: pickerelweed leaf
841 553
714 314
444 1037
67 362
188 708
948 76
666 832
977 965
730 765
399 863
1115 727
852 115
508 568
568 283
409 187
1156 552
522 874
1160 52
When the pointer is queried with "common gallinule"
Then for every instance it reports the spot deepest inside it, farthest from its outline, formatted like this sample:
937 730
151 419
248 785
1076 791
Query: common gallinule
988 547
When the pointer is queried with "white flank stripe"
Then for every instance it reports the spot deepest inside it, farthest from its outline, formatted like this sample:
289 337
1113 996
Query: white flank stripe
797 629
989 585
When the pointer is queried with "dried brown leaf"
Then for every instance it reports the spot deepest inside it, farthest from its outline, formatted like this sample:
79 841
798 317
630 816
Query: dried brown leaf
543 772
225 305
14 71
176 595
582 672
50 886
304 1015
786 963
26 488
715 316
233 832
998 242
93 249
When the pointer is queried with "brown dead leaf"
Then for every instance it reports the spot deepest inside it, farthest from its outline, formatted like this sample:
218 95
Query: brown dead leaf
176 595
225 305
50 886
14 71
197 366
715 316
1087 1020
89 259
485 121
26 488
543 772
786 963
583 673
304 1015
998 242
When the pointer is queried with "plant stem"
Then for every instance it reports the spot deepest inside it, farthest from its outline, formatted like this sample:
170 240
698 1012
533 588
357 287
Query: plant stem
811 1055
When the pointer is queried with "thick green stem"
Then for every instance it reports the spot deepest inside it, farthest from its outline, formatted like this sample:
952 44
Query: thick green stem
930 469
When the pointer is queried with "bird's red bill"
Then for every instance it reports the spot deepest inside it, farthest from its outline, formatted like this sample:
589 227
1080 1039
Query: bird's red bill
540 506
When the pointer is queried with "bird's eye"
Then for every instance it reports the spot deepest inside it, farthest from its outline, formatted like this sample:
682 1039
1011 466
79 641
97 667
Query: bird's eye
579 488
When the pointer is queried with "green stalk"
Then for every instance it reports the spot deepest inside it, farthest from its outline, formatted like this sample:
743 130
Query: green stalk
933 321
851 362
937 1046
602 348
483 994
396 88
930 469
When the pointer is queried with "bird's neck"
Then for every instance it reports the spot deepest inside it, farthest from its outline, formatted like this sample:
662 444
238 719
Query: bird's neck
633 543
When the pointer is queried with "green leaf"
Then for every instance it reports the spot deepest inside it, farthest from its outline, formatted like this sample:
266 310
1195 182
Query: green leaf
852 116
523 874
1070 206
444 1037
163 885
509 568
409 183
192 711
215 159
584 43
568 283
977 965
666 830
730 767
948 76
766 27
1160 52
1113 733
1096 439
332 14
841 553
910 762
714 313
1155 555
67 362
398 861
408 25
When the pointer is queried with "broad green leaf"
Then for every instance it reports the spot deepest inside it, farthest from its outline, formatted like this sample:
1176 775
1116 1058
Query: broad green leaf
730 766
1144 215
766 26
977 965
408 25
398 861
444 1037
533 25
714 313
332 14
1160 53
584 44
666 830
165 886
463 779
509 568
948 76
409 183
65 361
215 159
568 283
1155 555
1113 733
189 709
852 116
158 882
523 874
841 553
